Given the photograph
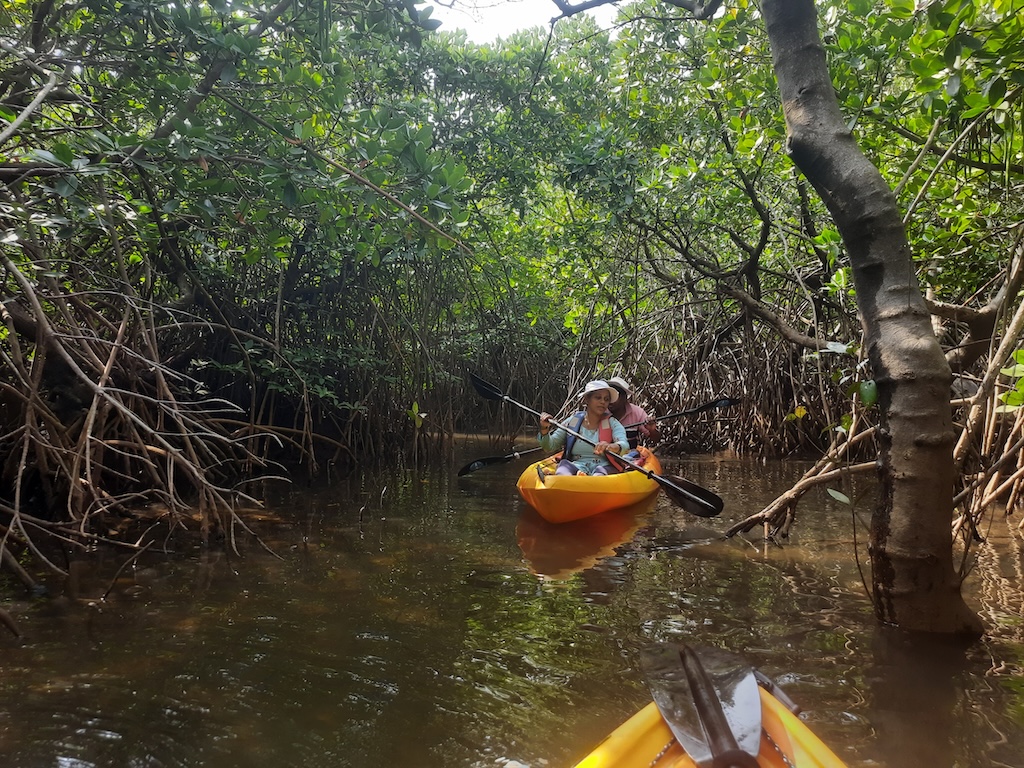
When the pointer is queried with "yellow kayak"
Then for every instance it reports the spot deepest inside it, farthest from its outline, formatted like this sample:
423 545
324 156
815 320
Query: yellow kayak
637 742
721 710
564 498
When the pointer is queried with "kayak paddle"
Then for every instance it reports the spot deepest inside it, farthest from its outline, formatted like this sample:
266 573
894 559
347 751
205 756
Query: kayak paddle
690 496
722 402
486 461
710 701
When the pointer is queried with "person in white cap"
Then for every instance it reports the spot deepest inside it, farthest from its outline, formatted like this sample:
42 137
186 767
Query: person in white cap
641 425
596 424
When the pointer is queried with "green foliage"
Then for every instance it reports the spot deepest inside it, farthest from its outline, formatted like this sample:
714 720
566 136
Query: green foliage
417 416
953 67
867 391
1013 398
210 142
602 187
839 496
796 414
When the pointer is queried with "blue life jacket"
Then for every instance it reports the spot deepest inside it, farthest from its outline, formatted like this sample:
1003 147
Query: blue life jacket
604 433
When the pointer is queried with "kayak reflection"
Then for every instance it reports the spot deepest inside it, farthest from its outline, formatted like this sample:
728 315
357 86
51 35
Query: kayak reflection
558 550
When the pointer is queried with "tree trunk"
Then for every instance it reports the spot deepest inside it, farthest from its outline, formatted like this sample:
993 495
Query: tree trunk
914 583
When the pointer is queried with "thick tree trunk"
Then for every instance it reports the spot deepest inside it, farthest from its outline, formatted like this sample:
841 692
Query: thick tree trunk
914 583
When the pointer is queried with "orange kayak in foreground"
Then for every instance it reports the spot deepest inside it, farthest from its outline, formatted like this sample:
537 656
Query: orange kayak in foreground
564 498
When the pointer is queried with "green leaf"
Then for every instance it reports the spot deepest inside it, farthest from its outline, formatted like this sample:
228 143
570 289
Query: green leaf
66 186
839 496
63 153
1014 397
996 91
869 392
798 413
45 156
953 84
290 195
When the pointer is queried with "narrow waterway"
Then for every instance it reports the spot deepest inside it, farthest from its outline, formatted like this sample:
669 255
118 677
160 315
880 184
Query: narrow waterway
412 617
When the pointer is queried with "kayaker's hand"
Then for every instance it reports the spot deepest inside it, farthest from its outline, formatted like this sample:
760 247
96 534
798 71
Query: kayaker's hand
545 423
601 448
650 429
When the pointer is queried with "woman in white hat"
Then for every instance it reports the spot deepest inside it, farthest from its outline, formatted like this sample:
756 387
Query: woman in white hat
596 424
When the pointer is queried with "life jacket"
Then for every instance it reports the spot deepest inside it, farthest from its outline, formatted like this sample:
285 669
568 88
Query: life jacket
604 433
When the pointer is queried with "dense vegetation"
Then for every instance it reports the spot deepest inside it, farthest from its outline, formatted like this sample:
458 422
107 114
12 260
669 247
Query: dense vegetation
236 235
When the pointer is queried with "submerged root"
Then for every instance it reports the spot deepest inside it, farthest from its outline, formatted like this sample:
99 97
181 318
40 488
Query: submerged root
778 517
8 621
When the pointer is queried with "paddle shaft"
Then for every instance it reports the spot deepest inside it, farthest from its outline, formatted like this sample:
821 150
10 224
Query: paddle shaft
721 402
725 751
710 701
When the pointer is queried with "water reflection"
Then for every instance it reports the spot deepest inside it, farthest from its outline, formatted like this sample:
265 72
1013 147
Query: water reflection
557 551
402 620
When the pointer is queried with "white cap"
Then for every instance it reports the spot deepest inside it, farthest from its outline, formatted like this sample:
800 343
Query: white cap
618 381
596 386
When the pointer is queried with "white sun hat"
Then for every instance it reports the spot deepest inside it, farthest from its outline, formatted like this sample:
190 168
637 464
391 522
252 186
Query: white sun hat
597 385
618 381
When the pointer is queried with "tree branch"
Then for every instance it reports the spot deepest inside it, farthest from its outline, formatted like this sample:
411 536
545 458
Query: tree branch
700 11
760 311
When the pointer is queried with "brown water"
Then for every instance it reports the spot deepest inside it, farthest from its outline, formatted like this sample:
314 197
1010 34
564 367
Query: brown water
415 618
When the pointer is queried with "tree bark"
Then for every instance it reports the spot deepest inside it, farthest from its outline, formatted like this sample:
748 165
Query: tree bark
914 584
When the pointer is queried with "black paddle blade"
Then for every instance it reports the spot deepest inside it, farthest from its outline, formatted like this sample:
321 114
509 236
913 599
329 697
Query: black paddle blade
484 389
709 699
725 402
473 466
680 491
487 461
693 498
